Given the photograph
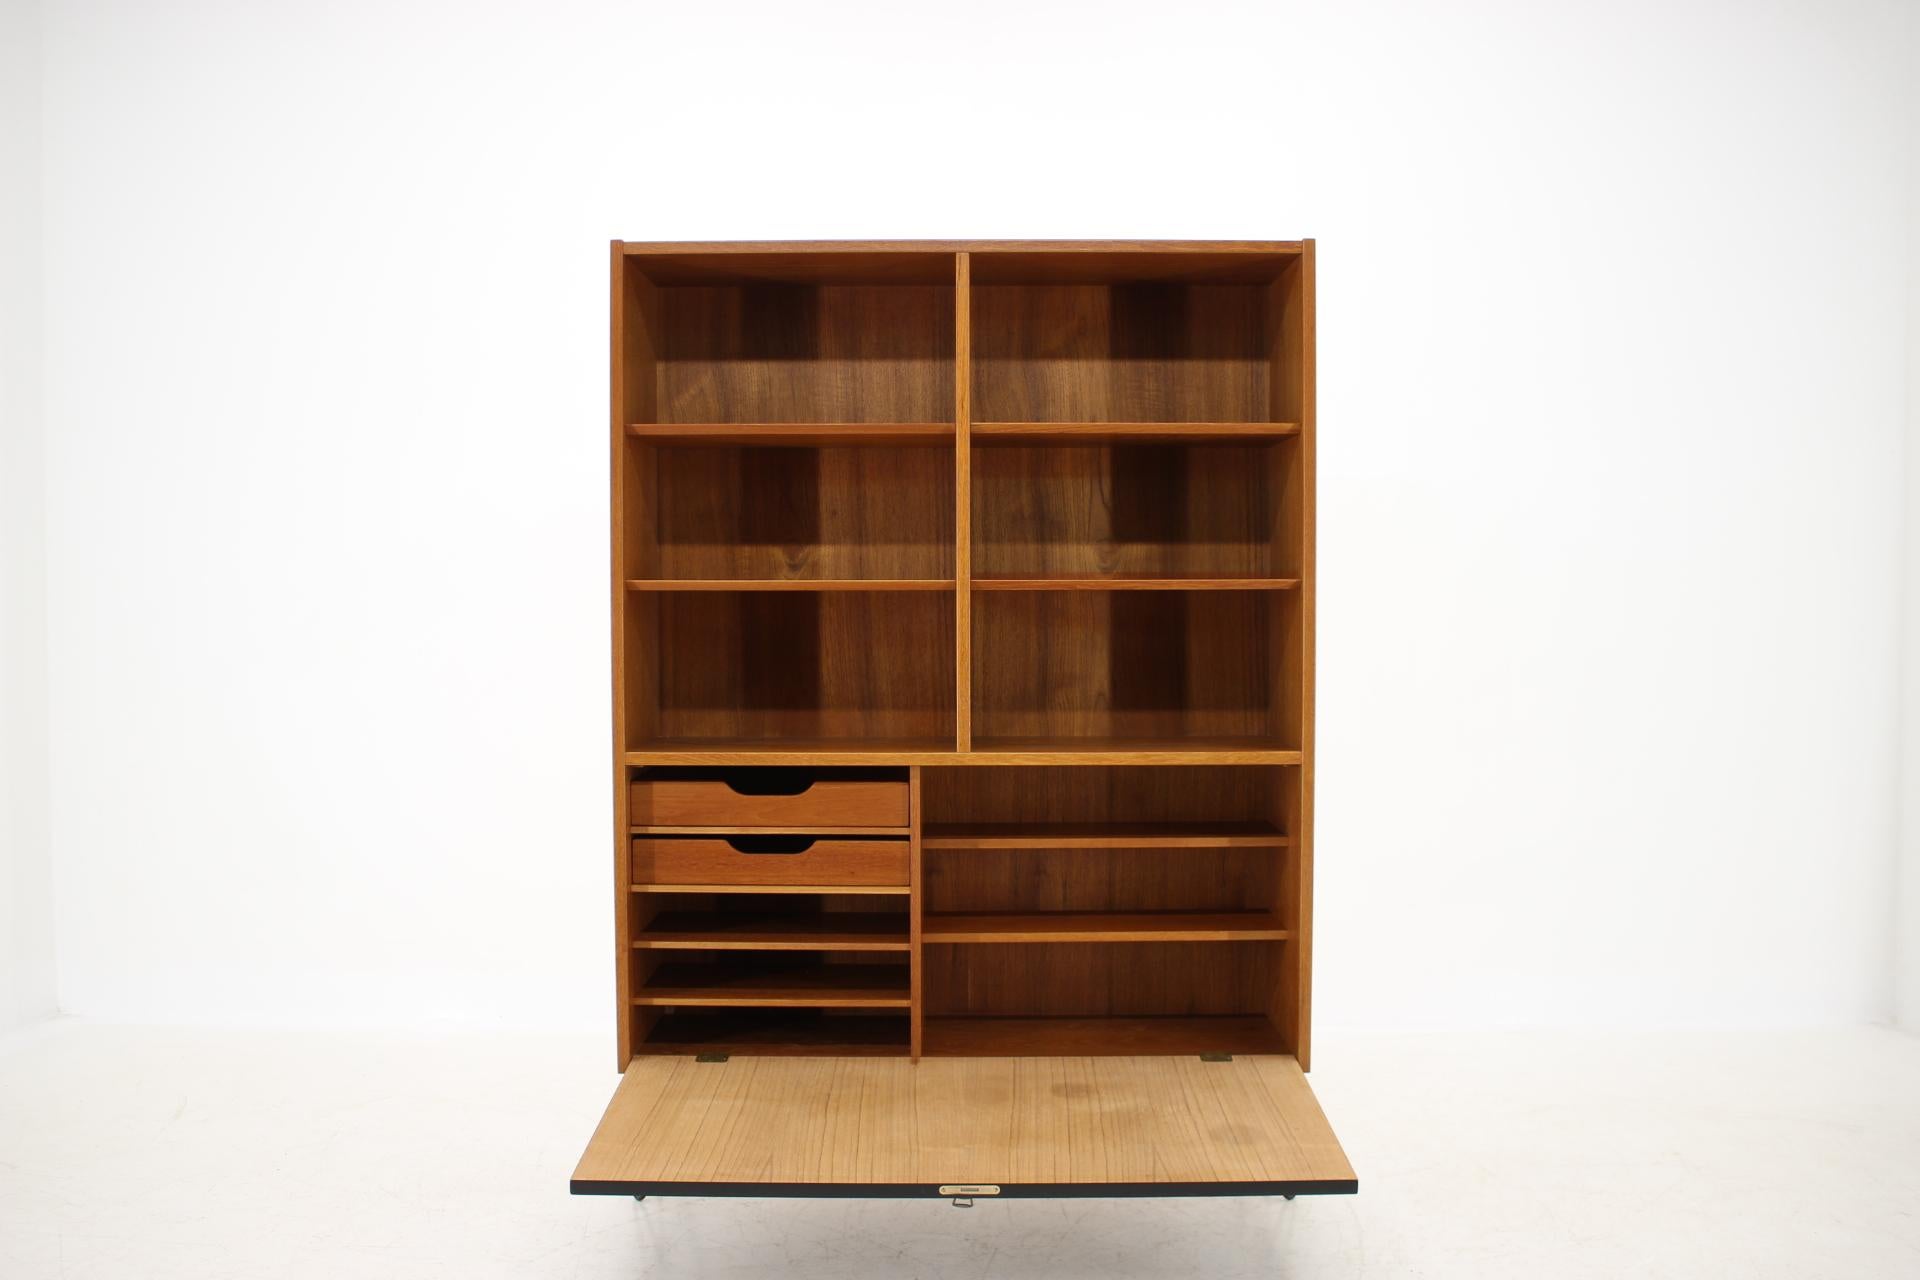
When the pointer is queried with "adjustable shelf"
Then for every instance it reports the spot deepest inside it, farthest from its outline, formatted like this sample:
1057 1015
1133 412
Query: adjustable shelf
839 752
1091 749
792 434
1044 582
810 829
1107 835
990 433
864 890
1105 926
790 584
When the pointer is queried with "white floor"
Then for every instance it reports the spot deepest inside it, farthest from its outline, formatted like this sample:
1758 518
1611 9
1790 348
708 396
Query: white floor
151 1153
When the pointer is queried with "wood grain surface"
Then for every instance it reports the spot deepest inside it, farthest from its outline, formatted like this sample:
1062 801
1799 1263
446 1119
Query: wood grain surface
995 1121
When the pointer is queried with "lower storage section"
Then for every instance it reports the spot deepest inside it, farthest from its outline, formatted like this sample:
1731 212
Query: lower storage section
1028 911
1014 1127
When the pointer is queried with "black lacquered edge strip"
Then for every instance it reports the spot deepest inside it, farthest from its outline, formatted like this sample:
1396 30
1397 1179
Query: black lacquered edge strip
931 1191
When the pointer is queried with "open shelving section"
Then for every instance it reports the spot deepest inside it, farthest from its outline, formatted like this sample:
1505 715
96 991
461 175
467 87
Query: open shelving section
1112 905
963 612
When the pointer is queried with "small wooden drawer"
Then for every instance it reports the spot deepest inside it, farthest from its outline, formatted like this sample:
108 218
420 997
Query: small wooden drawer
768 860
777 797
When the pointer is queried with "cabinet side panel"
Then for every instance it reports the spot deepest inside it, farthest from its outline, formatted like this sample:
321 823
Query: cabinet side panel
618 479
1291 349
633 397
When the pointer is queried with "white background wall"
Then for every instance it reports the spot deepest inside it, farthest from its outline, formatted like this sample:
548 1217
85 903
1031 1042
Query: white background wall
1907 880
1612 396
26 868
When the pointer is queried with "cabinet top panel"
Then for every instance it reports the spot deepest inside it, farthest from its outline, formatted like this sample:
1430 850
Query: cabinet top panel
931 261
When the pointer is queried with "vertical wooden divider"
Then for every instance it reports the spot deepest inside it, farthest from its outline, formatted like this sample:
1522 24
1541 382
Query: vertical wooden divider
962 615
916 908
963 501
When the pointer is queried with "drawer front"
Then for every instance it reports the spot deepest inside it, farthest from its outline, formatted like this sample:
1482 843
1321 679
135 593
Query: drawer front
768 798
768 860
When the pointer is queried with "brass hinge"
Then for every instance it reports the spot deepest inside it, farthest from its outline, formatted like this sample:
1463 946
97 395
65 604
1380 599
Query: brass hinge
709 1057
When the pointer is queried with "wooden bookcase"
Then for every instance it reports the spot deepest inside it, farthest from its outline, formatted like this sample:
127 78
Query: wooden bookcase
963 719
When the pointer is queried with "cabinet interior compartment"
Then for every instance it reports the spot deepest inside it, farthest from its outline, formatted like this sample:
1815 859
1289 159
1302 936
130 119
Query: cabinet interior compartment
1122 878
1157 509
738 667
839 338
1088 980
1093 666
721 512
1133 338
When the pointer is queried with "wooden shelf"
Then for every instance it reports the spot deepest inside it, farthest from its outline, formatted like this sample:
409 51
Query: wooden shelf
1130 432
987 751
1037 582
837 751
876 890
813 986
777 1032
790 584
758 829
1100 1037
1131 751
1146 926
1106 835
760 931
793 434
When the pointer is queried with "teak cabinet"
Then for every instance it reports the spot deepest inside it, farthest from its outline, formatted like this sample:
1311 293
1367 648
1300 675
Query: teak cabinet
963 714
